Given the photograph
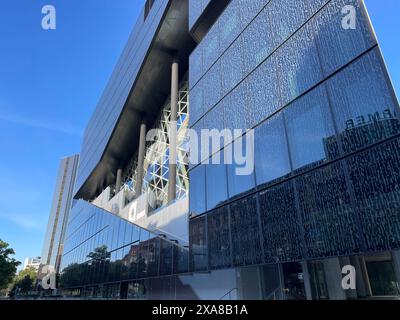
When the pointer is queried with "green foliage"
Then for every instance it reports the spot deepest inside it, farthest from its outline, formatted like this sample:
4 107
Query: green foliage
26 284
24 281
28 272
100 254
8 265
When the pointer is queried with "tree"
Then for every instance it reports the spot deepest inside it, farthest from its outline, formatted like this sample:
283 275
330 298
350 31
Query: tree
24 281
8 265
27 272
100 254
26 284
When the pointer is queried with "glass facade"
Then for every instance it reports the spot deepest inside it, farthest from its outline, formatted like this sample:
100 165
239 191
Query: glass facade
101 248
326 124
326 175
101 125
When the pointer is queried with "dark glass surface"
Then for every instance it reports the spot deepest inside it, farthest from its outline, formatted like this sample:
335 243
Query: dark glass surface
280 224
375 178
246 242
218 239
363 104
329 220
198 244
166 261
131 253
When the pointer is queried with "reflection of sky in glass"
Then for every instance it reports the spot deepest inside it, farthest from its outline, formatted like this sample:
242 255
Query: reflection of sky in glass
308 123
271 152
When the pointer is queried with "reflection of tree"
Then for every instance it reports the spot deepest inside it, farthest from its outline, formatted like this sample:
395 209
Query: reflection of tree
79 274
141 261
72 275
99 254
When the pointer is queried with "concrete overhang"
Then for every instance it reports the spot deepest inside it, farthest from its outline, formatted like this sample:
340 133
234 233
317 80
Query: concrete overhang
148 94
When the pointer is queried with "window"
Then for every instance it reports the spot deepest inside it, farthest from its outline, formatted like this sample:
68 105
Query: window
198 244
197 190
363 106
216 183
271 151
336 45
310 130
245 232
218 239
240 182
329 220
280 224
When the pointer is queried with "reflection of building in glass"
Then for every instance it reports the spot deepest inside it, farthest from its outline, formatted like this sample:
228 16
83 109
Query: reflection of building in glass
325 191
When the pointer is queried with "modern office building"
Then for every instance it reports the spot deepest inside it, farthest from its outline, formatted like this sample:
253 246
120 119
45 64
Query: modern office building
58 219
308 81
32 263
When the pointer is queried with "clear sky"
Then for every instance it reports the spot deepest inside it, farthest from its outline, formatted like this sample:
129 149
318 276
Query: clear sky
50 82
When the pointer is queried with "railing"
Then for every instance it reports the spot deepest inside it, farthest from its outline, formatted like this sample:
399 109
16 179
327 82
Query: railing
273 294
229 294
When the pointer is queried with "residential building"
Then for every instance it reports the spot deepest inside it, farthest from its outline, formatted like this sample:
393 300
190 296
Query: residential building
58 219
32 263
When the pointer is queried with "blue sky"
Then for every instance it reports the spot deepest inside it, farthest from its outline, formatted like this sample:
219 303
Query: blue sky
50 82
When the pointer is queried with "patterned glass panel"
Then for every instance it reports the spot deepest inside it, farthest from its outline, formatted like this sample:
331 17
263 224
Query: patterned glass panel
337 45
212 87
364 106
299 66
196 65
329 220
280 224
263 89
284 18
211 51
310 130
375 175
196 103
214 121
246 242
249 9
198 244
271 150
232 67
218 239
235 109
256 42
229 24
